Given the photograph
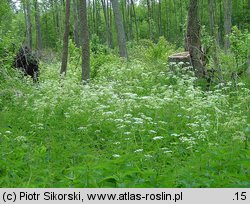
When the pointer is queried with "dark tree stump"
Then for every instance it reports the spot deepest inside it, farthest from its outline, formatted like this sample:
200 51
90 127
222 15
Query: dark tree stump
26 62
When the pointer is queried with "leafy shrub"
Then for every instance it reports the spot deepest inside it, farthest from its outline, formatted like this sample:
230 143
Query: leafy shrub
240 47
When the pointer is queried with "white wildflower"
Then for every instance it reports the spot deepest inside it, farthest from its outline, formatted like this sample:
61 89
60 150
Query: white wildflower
167 151
127 116
152 131
66 115
81 128
116 155
158 138
175 135
241 84
138 150
21 138
8 132
108 113
119 120
127 133
148 156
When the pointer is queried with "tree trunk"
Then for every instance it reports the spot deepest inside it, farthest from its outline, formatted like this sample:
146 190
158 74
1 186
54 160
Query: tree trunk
76 21
136 23
26 21
124 14
149 20
211 17
66 39
159 19
38 26
108 31
85 41
193 43
58 24
29 25
221 39
98 18
120 29
227 21
176 20
130 20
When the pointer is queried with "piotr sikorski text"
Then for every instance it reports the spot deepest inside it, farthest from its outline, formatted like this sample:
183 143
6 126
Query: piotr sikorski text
50 196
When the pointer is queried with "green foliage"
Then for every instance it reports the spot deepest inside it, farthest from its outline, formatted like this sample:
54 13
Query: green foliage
97 47
8 47
160 50
6 15
240 46
134 125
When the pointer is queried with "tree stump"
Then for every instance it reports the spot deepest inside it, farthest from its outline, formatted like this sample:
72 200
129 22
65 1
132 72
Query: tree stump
27 62
182 60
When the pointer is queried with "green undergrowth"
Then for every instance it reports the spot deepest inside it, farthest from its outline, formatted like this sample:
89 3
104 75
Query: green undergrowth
136 124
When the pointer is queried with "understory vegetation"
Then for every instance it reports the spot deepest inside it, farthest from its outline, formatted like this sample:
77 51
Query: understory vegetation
136 124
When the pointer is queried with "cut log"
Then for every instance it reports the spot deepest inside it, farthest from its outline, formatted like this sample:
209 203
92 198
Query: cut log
182 60
180 57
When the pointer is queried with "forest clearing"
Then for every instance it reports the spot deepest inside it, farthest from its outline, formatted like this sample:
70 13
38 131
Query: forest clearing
92 93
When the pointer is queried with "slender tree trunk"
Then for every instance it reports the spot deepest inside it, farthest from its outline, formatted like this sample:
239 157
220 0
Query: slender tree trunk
85 42
149 20
120 29
168 21
29 25
211 17
221 24
130 20
26 21
38 26
98 18
76 21
136 23
201 10
108 30
181 5
66 39
58 24
175 19
159 19
124 15
51 2
227 21
193 40
109 9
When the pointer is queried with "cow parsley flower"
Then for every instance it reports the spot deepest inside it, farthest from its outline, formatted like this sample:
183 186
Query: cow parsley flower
158 138
116 155
8 132
138 150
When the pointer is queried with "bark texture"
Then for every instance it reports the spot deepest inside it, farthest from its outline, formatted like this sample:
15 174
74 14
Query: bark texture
84 41
66 39
193 43
120 29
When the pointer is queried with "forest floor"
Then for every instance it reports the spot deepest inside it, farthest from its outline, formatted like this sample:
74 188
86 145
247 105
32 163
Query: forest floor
136 124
